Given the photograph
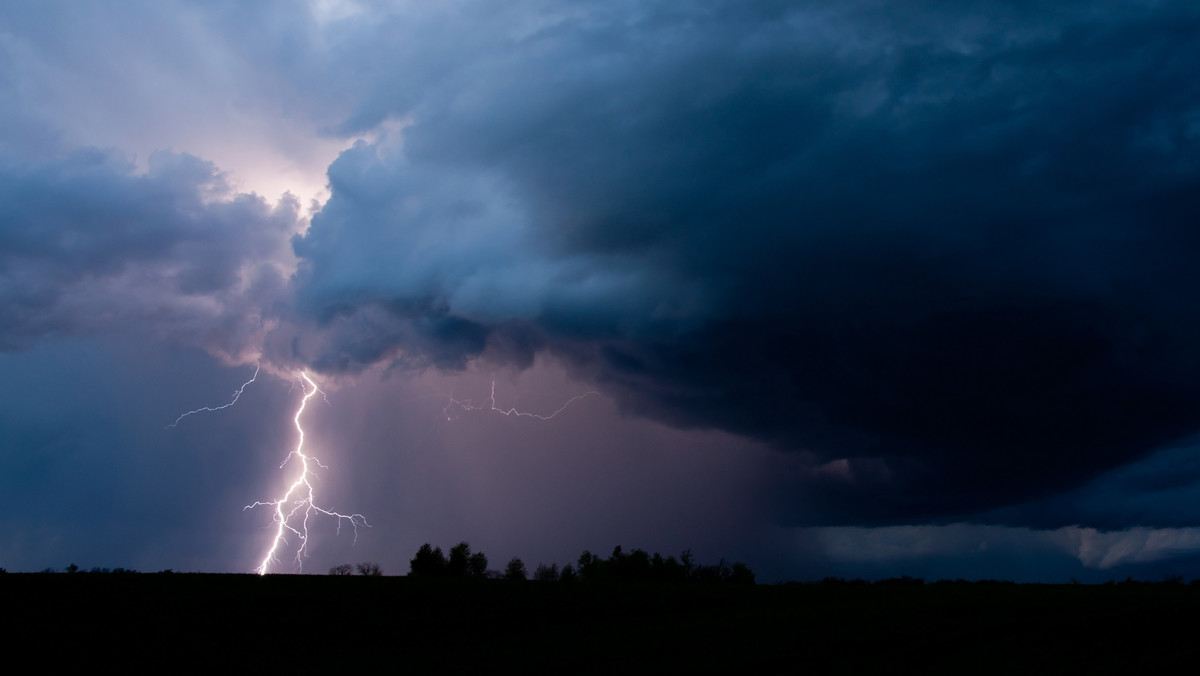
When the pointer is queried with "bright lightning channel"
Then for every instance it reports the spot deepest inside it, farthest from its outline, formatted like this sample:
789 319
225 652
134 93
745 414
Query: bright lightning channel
465 404
236 393
294 509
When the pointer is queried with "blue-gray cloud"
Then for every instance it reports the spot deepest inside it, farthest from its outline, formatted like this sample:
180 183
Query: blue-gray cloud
953 247
89 244
944 256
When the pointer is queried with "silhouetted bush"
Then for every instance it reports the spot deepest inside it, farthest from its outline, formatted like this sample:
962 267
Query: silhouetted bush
342 569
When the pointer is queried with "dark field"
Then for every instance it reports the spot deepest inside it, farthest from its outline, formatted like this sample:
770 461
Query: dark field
302 623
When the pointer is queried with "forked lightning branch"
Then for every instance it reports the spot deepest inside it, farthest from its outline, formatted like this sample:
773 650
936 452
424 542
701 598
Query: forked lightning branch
298 504
292 511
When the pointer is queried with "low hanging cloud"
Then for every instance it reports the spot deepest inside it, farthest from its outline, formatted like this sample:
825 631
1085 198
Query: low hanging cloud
1100 550
952 251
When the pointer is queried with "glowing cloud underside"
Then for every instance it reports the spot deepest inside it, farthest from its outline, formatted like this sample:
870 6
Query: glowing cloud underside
298 505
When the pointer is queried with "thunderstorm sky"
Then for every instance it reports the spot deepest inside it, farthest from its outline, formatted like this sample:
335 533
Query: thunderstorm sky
861 287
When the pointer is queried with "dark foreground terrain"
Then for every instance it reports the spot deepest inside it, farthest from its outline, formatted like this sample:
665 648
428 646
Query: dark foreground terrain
303 623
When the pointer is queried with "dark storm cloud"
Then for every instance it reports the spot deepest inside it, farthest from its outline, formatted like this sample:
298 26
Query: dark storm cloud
955 246
88 244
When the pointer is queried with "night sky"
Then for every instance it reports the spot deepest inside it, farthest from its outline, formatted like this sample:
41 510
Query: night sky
860 287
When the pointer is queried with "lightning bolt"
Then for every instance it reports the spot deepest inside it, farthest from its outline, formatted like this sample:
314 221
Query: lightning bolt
465 404
237 393
294 509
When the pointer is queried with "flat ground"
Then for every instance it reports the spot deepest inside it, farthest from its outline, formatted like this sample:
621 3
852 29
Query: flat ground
345 623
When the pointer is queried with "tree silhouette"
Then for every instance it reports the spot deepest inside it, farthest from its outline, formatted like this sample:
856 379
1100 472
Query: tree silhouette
342 569
590 567
369 568
689 564
667 570
741 574
714 574
429 562
477 566
515 570
631 567
544 573
459 564
638 566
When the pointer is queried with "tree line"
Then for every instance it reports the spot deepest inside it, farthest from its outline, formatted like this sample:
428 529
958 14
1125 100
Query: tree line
636 566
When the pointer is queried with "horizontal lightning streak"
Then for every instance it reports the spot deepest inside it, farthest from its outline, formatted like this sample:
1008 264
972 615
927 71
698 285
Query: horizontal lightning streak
465 404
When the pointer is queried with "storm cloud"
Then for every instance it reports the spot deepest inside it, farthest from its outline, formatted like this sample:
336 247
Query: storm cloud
857 284
949 250
89 244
